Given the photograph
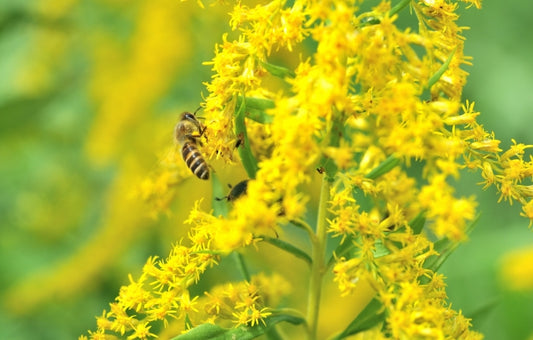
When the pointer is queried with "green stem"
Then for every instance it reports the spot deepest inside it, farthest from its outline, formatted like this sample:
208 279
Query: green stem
318 266
401 5
241 265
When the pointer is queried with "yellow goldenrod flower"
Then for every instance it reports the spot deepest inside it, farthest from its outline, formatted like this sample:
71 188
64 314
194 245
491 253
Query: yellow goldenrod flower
142 331
374 109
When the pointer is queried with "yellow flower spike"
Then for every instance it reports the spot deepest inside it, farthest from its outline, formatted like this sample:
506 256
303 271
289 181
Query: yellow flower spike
356 105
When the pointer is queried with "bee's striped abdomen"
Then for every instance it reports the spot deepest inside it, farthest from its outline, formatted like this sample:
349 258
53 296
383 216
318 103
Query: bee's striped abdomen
194 160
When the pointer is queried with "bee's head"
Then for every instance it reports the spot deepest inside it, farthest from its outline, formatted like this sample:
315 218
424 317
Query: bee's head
188 116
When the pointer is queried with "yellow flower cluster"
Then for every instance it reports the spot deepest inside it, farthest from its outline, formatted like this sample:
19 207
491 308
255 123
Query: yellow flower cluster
243 303
162 293
372 107
416 312
507 171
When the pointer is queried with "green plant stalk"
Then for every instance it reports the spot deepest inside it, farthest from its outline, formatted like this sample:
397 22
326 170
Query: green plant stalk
401 5
241 265
318 266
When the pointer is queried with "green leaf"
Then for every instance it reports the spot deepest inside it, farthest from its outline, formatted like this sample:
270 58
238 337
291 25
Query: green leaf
278 71
481 314
418 222
259 116
204 331
440 71
245 152
256 109
445 248
288 248
341 249
259 103
401 5
371 316
387 165
213 332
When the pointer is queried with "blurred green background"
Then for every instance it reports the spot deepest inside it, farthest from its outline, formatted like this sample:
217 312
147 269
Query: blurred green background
89 93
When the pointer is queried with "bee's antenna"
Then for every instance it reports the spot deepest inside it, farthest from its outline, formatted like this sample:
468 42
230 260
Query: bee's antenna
198 109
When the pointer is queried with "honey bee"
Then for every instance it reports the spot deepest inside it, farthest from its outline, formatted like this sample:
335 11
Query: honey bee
186 132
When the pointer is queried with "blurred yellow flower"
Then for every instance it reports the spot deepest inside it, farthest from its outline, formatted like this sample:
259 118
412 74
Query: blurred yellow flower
516 269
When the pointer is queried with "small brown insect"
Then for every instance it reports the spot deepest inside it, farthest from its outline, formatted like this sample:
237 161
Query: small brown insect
187 131
237 191
240 140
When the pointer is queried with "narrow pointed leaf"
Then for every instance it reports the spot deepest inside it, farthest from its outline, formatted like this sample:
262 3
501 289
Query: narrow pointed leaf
440 71
278 71
371 316
288 248
259 103
245 152
387 165
401 5
445 248
213 332
418 222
